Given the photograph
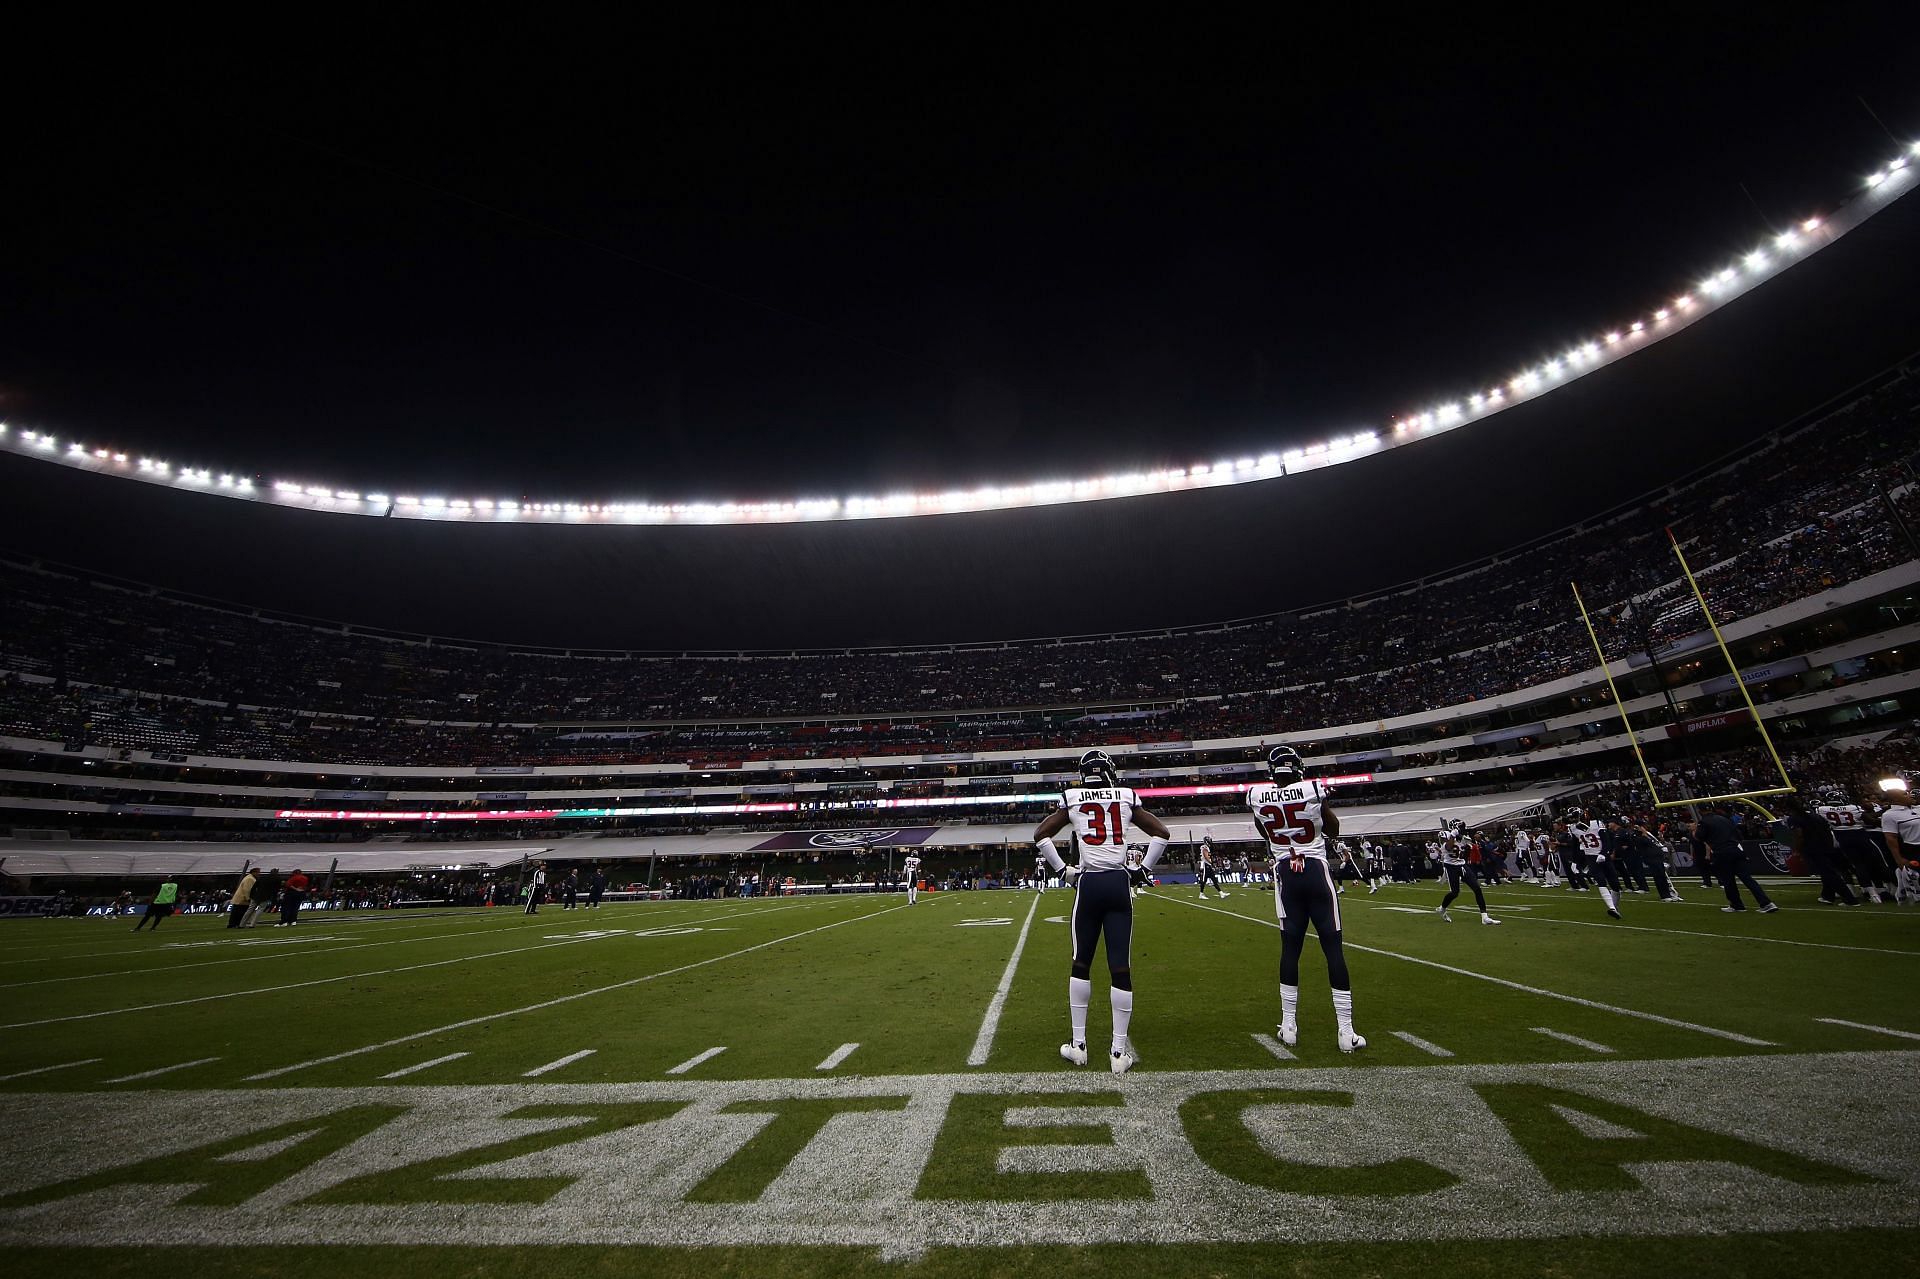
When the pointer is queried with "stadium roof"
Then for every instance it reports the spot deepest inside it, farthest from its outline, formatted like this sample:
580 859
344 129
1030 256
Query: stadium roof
1131 563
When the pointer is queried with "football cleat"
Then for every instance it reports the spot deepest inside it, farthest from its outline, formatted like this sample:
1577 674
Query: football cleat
1121 1062
1074 1053
1769 908
1488 919
1733 910
1611 911
1443 913
1350 1040
1672 897
1289 1033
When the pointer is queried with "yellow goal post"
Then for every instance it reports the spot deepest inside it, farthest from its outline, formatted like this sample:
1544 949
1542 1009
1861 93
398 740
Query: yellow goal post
1751 797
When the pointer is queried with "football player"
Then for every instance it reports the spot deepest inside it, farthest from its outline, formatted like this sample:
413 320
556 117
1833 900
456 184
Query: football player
1458 869
1100 809
1590 847
910 867
1856 845
1900 825
1208 870
1292 815
1040 874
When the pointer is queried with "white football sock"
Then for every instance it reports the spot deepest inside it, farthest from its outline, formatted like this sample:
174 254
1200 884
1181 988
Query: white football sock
1122 1017
1343 1010
1079 995
1606 895
1289 1001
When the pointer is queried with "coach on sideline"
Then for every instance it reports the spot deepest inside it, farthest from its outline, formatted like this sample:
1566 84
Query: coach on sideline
1901 825
1721 838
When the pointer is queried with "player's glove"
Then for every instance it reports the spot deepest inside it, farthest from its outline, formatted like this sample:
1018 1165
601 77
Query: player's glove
1137 876
1070 876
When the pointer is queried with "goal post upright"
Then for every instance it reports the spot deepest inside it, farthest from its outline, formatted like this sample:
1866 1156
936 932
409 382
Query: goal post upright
1613 690
1786 786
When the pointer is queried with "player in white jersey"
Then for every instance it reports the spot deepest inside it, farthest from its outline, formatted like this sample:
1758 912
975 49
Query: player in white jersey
1459 868
1523 856
1861 848
910 867
1040 874
1293 817
1100 809
1590 843
1209 869
1900 824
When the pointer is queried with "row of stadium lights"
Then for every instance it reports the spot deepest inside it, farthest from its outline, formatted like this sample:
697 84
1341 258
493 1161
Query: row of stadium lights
1577 360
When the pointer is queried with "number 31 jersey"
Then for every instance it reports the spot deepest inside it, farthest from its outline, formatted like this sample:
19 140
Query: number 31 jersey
1291 815
1100 816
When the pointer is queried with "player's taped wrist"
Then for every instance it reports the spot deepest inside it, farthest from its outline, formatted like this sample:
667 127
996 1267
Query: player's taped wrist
1048 851
1156 845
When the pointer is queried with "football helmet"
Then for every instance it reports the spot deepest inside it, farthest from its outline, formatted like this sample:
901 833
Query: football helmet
1098 769
1831 795
1285 766
1576 815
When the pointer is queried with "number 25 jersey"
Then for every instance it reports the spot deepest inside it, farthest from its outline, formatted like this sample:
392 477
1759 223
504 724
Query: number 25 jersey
1291 815
1100 816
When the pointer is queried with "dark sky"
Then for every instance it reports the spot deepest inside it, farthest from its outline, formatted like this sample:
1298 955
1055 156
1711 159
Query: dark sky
663 264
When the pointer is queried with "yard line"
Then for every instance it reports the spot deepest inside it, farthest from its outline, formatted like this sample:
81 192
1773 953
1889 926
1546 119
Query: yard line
300 985
1575 1040
1421 1044
1683 932
837 1056
1273 1046
695 1060
164 1070
1515 985
1861 1025
425 1065
323 981
567 1060
41 1070
990 1024
563 999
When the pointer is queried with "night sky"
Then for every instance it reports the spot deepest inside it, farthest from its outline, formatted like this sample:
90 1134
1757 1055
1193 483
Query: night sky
769 263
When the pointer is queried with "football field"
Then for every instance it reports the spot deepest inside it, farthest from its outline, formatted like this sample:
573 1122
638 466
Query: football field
852 1085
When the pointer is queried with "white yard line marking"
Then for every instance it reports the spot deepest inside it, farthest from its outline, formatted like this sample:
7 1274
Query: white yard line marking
1861 1025
1677 932
567 1060
41 1070
563 999
1575 1040
990 1024
1273 1046
297 985
1423 1045
837 1056
695 1060
1515 985
164 1070
420 1066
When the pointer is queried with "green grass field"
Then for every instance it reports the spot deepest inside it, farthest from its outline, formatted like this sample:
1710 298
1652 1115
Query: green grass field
852 1085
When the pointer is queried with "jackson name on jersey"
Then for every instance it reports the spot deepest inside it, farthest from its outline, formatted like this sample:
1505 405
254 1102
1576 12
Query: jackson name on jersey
1291 815
1100 815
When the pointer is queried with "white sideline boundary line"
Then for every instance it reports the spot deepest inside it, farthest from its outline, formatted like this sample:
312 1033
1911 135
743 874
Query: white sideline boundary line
837 1056
567 1060
563 999
695 1060
1575 1040
1861 1025
1273 1046
1520 986
1423 1045
41 1070
164 1070
990 1024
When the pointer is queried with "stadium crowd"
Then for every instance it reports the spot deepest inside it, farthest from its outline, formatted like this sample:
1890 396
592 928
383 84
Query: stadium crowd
82 662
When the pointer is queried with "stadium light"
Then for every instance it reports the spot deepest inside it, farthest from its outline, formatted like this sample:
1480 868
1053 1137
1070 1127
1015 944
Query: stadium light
1893 784
1581 358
